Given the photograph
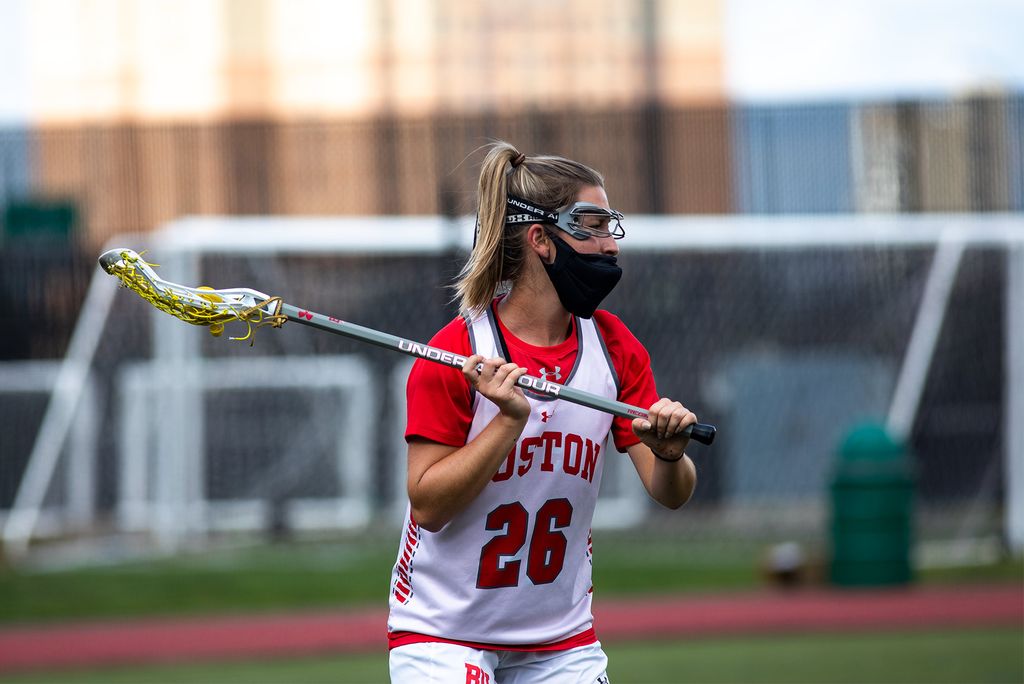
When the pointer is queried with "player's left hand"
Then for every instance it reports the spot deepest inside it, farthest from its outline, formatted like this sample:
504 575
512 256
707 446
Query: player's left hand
663 430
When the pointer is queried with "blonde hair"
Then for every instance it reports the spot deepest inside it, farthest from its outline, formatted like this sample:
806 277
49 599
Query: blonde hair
497 258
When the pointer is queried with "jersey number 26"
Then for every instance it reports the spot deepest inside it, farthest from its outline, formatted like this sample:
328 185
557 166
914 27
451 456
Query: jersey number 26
547 545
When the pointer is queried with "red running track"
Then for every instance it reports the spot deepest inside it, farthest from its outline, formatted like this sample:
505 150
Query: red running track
250 636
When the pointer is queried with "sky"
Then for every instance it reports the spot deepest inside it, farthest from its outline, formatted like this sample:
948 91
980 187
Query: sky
875 49
14 92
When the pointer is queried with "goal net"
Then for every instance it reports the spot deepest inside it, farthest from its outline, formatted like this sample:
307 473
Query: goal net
785 332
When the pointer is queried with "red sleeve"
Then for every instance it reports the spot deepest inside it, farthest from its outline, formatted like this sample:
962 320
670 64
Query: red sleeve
633 366
438 403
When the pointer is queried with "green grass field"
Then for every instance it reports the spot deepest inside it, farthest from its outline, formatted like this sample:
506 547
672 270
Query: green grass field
938 657
356 573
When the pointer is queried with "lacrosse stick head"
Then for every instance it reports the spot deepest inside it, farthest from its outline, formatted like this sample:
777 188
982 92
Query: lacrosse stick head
196 305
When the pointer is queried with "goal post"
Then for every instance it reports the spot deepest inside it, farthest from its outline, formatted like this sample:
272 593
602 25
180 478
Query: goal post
1014 440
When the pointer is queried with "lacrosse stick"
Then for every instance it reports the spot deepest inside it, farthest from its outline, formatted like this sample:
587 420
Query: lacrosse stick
208 307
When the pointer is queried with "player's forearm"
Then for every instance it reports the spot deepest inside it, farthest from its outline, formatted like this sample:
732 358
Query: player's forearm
669 483
672 484
448 486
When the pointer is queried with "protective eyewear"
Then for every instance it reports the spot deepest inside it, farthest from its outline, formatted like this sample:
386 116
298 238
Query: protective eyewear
582 220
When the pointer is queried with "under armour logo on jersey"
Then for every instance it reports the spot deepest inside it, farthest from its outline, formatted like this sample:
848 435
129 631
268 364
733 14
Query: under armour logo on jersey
603 679
544 415
551 376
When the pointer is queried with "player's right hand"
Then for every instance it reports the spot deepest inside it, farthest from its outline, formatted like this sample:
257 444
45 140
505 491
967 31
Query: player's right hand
496 380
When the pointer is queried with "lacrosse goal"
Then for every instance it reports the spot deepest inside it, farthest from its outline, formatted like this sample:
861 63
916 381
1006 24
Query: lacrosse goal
785 331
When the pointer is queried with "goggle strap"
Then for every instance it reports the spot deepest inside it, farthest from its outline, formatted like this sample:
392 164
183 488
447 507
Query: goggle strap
519 210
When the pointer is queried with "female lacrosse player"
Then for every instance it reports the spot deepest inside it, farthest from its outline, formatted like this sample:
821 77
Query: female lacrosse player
493 578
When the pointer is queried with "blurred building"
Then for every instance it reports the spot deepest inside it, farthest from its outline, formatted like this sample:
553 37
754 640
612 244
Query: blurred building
144 111
141 112
211 60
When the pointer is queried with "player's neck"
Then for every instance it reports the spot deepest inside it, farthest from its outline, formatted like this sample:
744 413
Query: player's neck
536 320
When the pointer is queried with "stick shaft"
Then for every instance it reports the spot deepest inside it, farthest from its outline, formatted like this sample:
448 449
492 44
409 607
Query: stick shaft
702 433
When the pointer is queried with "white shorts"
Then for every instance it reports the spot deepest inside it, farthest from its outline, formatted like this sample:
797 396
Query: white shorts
430 663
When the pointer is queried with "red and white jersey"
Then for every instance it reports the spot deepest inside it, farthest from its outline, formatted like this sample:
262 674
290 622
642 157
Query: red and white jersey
513 570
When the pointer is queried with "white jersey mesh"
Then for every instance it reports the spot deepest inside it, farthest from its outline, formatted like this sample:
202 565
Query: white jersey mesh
510 585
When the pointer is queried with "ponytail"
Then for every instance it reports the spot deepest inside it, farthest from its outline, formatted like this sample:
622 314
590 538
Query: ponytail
485 272
498 252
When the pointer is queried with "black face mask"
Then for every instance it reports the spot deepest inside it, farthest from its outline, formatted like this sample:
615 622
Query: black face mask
582 281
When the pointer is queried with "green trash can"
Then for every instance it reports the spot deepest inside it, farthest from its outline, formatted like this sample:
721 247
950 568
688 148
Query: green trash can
872 510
